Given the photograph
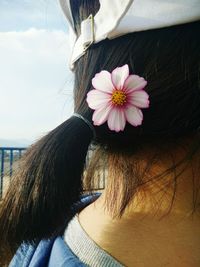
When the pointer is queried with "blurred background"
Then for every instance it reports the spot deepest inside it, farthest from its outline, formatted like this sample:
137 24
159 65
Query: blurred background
35 80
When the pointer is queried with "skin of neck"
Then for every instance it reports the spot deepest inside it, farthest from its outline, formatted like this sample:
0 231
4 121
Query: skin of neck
155 200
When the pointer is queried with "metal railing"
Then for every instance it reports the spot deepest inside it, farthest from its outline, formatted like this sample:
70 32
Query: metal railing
8 155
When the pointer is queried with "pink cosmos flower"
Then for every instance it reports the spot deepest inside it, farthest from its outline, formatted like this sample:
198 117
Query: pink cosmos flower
118 97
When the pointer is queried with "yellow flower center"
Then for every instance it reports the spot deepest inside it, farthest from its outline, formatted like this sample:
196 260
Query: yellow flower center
118 97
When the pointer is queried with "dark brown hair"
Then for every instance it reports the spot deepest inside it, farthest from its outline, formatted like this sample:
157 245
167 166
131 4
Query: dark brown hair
50 178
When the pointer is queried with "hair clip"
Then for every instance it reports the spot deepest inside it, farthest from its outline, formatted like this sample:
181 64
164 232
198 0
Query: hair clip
118 97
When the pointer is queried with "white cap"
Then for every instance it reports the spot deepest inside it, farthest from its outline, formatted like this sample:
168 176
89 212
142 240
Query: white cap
119 17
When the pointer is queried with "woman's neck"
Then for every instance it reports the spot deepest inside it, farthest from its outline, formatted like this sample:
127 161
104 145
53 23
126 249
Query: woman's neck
139 238
176 193
165 198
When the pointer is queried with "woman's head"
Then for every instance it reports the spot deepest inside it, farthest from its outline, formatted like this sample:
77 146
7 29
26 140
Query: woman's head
169 59
165 58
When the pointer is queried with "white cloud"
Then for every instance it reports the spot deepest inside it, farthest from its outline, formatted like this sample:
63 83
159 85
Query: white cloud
35 82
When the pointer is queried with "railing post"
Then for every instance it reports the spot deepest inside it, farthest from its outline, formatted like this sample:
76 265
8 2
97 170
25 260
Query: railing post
11 161
2 173
20 154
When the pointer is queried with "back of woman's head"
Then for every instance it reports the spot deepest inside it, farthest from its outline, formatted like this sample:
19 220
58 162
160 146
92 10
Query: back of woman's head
40 200
167 58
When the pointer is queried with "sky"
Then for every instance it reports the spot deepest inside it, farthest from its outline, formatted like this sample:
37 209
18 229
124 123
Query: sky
35 80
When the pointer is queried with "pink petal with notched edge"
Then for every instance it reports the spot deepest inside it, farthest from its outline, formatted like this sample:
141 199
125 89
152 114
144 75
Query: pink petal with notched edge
97 99
134 82
100 115
133 115
119 75
102 81
116 119
139 99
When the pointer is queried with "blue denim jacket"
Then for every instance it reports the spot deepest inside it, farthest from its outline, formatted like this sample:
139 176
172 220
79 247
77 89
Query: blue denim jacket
52 252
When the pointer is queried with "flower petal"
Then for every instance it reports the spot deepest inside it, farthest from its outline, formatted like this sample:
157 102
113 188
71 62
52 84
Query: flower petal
116 119
97 99
133 115
102 81
134 82
139 99
119 75
101 115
